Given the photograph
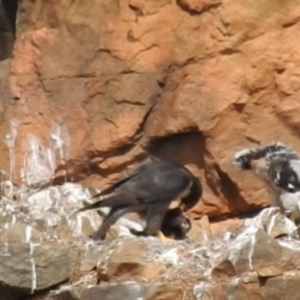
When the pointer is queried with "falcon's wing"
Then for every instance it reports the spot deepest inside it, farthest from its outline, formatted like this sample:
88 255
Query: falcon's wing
159 182
119 183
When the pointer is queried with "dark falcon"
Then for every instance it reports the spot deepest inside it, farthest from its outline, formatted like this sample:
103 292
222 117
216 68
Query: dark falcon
150 189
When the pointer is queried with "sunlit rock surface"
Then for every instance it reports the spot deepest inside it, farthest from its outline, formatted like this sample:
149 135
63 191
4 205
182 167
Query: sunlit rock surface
43 243
89 88
45 254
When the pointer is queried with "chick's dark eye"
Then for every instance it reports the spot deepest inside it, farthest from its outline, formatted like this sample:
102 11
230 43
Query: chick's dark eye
294 180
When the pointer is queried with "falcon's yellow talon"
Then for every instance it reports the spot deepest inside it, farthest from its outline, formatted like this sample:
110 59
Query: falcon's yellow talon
162 237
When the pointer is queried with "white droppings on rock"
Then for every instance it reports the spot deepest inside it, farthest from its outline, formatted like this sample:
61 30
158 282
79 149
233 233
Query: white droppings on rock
271 224
200 290
33 268
290 243
244 237
227 236
28 232
251 250
60 140
37 166
170 257
273 221
10 139
76 225
262 217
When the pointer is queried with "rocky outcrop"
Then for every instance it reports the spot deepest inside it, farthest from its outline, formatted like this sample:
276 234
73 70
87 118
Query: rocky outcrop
46 255
91 88
94 87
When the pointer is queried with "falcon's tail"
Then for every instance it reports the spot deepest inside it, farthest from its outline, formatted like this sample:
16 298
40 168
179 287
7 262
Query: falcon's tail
113 200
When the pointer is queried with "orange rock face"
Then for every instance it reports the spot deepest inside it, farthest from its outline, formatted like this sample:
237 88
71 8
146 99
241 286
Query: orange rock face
93 87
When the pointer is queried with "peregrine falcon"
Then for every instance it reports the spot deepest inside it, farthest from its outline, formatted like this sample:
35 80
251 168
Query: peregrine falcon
279 166
150 189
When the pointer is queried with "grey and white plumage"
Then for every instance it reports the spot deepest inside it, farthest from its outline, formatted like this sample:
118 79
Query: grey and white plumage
276 163
151 188
279 166
290 204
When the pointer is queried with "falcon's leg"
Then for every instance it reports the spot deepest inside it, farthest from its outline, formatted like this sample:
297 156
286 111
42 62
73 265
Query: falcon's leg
155 215
114 214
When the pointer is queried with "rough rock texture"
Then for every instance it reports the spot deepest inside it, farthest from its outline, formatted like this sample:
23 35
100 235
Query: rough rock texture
42 242
93 86
89 88
46 255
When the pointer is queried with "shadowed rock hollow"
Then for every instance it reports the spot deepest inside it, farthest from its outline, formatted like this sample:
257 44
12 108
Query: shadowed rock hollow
90 87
